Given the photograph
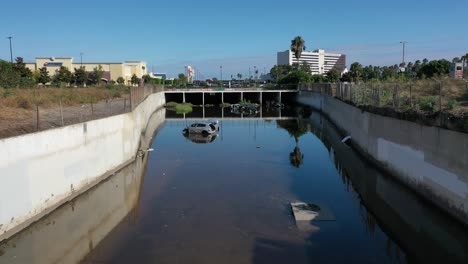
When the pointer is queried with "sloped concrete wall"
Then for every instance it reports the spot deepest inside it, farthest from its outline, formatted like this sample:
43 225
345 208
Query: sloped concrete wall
70 232
40 171
431 160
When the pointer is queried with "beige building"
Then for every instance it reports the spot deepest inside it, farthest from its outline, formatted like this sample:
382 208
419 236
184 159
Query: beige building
112 70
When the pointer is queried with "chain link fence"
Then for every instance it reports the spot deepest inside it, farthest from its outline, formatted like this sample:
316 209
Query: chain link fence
23 111
439 103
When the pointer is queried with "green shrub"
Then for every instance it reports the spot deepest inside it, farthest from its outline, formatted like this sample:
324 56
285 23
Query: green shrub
404 101
116 93
183 108
171 104
427 103
452 104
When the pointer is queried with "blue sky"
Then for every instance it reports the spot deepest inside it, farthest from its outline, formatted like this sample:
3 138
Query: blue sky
235 34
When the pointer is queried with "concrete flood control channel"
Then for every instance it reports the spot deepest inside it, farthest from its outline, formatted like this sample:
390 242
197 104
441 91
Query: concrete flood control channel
227 201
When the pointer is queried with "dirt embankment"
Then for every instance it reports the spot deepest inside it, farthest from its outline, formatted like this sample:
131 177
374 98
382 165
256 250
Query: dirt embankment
14 121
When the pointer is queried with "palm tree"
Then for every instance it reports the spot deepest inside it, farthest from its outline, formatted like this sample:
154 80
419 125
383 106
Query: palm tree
298 46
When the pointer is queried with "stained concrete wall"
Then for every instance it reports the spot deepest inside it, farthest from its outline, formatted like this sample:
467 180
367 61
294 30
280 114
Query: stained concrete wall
431 160
69 233
40 171
421 231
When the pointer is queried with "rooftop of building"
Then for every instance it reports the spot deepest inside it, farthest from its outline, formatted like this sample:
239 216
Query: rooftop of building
98 63
317 51
71 58
48 58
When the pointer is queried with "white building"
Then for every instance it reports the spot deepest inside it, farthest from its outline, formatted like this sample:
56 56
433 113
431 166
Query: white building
320 62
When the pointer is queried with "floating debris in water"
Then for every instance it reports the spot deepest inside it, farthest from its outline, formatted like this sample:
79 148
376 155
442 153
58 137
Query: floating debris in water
305 213
345 139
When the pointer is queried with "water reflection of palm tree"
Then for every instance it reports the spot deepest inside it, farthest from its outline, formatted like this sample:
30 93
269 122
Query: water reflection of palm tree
296 129
296 157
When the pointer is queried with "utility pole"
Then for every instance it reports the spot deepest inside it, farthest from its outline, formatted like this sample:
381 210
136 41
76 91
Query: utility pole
221 72
11 50
404 43
81 59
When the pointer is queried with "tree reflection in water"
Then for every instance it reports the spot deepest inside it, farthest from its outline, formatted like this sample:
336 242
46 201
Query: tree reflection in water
296 128
296 157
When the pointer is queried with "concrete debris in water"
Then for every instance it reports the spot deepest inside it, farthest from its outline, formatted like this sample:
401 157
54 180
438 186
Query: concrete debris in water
345 139
311 212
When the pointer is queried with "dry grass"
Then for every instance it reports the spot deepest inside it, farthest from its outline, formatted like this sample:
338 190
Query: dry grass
454 93
18 106
52 97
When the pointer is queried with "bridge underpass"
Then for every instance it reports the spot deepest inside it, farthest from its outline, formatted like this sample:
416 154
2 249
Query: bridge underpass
231 98
213 98
174 97
194 98
203 97
226 113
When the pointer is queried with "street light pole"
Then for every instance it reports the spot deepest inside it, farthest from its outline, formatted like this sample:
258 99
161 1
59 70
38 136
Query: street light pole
81 59
404 43
11 50
221 71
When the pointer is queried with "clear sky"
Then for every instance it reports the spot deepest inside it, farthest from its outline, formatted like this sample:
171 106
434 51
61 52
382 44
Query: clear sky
235 34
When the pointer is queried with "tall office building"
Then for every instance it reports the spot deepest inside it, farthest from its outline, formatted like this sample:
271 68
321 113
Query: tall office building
319 61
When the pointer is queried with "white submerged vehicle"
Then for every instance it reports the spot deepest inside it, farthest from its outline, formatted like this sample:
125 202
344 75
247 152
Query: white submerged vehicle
204 128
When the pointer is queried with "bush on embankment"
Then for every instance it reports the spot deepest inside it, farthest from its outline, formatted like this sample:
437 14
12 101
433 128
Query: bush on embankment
179 108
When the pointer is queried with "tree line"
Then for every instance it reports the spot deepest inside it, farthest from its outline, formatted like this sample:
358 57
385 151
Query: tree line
17 75
301 73
403 72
